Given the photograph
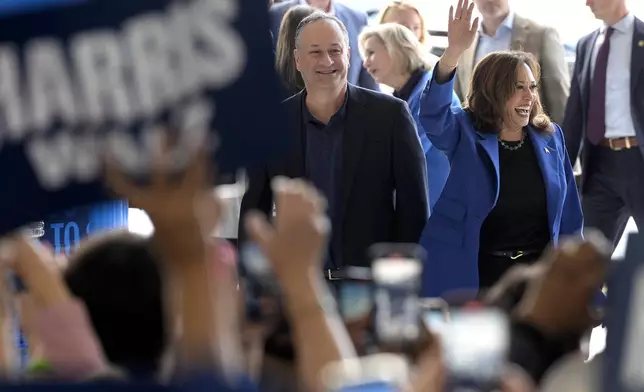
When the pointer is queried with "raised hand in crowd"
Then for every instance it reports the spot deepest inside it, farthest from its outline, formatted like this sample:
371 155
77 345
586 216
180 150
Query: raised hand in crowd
551 301
296 241
461 31
183 211
55 320
516 380
429 374
556 292
172 202
295 245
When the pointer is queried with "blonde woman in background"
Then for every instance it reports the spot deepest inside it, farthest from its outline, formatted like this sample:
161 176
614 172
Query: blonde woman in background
394 57
405 13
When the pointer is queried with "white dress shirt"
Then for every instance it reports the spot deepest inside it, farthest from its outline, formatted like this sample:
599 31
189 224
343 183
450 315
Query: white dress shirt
500 41
619 121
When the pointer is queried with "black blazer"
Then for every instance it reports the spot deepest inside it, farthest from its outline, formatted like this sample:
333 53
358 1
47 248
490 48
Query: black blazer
383 193
576 115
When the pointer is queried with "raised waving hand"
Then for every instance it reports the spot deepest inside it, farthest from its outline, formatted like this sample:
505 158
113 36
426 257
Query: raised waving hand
461 32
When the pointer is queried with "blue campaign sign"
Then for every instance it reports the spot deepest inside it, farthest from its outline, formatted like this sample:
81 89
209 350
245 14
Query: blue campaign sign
8 7
81 77
64 231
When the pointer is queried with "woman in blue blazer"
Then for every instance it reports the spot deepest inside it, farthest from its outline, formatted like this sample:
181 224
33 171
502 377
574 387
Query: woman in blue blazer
394 57
511 189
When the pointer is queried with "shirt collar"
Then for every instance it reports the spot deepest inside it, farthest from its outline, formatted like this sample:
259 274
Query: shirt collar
408 88
506 24
623 26
339 115
331 8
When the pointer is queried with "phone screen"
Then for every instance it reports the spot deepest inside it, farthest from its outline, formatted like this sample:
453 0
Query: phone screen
475 344
261 292
397 312
355 296
434 320
370 373
435 313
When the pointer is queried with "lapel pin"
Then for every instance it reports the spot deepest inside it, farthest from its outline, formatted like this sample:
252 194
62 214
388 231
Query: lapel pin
641 43
546 150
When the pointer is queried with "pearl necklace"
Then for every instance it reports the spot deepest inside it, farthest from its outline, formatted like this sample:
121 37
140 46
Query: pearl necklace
515 147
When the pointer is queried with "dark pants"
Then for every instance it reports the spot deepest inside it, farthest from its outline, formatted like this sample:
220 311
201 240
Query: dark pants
613 190
492 268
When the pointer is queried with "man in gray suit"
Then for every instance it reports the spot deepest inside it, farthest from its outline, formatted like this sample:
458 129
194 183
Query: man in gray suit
604 120
353 20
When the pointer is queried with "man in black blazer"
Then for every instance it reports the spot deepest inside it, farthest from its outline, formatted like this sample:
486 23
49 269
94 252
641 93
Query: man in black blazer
358 147
604 119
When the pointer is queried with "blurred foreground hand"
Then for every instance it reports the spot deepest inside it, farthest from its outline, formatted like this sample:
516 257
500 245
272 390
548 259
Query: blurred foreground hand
555 293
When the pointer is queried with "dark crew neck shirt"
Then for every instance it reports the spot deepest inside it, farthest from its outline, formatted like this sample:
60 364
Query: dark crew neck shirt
519 221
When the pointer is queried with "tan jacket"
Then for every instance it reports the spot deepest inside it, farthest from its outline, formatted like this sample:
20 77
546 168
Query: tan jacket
544 43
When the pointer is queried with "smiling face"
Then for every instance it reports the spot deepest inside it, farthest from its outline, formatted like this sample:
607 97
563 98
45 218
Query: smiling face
520 104
504 94
322 55
377 60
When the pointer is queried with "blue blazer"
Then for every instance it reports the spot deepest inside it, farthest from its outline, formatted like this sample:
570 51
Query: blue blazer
437 163
353 20
451 236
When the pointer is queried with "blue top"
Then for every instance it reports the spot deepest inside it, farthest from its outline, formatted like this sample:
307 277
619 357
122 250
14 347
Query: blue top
437 163
451 236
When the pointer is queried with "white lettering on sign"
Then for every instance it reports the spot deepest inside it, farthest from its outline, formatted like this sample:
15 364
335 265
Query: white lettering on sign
101 78
73 100
49 88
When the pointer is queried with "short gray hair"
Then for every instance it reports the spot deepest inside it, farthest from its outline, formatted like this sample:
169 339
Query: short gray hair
316 17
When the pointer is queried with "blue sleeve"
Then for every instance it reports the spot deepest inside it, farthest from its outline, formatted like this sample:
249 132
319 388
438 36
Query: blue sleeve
456 102
572 220
437 117
410 178
414 103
